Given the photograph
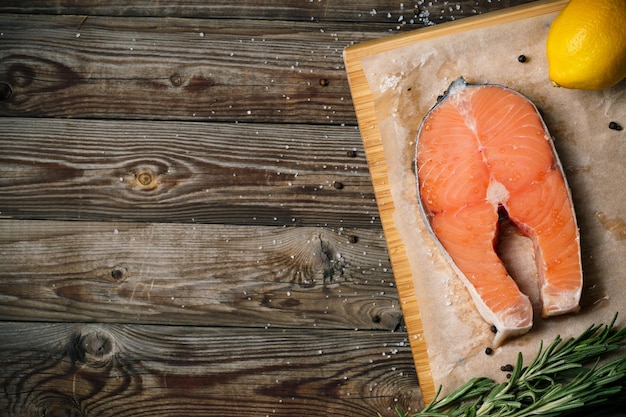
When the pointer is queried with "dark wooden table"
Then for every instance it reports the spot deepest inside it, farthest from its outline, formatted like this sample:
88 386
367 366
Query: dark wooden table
187 222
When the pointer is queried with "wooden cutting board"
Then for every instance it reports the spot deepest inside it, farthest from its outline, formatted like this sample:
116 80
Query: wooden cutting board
394 81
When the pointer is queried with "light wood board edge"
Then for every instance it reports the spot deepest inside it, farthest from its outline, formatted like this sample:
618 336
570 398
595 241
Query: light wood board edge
366 117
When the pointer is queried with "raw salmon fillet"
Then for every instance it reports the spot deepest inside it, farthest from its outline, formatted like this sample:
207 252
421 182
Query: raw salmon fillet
480 150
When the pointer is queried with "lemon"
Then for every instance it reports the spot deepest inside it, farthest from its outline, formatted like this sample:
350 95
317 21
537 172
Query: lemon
586 45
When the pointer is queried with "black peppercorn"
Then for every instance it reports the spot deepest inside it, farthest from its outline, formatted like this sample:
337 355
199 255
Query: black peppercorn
494 329
506 368
522 58
488 351
615 126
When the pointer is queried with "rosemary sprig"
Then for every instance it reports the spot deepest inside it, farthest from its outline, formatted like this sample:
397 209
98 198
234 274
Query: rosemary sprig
565 377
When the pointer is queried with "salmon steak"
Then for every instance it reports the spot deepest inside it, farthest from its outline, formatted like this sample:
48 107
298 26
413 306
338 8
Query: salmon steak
483 150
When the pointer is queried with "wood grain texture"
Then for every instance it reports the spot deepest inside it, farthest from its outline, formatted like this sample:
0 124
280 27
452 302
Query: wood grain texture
407 15
185 172
196 274
68 369
176 69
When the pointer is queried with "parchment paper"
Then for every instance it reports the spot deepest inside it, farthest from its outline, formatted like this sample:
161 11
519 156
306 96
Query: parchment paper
405 83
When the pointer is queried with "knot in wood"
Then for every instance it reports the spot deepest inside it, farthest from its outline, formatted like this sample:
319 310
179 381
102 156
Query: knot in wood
315 260
22 75
176 80
146 179
119 273
57 407
5 91
390 320
94 347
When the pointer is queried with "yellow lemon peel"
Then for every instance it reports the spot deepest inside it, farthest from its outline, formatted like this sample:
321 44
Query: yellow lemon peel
586 45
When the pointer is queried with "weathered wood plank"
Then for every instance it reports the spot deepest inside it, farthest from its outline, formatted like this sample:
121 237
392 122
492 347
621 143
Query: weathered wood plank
391 12
196 274
192 69
185 172
205 69
132 370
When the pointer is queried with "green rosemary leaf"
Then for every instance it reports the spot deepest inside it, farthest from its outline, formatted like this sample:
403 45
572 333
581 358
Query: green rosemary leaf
556 383
475 387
